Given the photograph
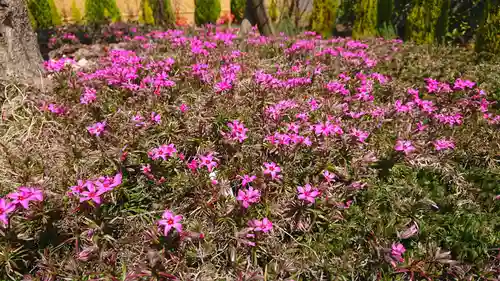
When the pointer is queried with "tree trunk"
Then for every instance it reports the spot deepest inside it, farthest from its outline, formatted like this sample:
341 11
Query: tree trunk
20 56
256 13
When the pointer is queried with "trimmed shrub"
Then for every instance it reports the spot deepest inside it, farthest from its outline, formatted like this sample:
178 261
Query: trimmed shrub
488 34
146 13
365 24
207 11
238 9
324 15
56 18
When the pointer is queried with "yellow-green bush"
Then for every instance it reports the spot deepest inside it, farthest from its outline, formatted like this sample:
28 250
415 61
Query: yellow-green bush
146 13
44 13
365 24
99 11
422 21
324 15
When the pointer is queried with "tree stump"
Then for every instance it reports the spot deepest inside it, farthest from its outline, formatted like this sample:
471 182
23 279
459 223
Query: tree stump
256 13
20 57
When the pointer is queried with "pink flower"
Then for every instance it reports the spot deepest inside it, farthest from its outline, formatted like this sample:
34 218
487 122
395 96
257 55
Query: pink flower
5 209
92 193
307 193
329 177
246 179
107 183
146 169
183 108
33 194
397 250
265 225
155 117
78 188
405 146
208 161
97 128
421 127
23 197
360 135
248 196
238 131
272 169
163 151
89 96
443 144
138 120
169 221
193 165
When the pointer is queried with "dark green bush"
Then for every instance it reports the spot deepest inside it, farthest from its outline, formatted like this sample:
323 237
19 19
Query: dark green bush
207 11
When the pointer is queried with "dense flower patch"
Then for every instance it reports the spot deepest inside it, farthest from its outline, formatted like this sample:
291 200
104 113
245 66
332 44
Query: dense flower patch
280 158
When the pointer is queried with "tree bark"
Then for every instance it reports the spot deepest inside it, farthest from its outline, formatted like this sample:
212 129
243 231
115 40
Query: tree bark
256 13
20 56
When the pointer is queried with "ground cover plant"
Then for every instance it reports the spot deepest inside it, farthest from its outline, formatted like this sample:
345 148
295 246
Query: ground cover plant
197 155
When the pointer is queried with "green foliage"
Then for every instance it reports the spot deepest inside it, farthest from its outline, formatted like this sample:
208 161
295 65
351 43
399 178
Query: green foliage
273 10
422 21
207 11
238 9
44 13
365 24
384 18
76 16
100 11
324 16
32 19
488 35
146 13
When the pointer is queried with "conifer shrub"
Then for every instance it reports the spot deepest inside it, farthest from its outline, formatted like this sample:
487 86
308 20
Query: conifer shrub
162 12
207 11
273 10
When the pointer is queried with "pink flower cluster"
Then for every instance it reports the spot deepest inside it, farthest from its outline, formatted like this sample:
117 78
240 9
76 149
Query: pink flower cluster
405 146
164 151
97 129
58 65
22 197
248 196
93 190
238 131
272 169
397 251
88 96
